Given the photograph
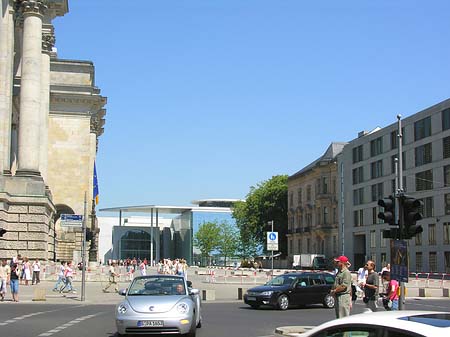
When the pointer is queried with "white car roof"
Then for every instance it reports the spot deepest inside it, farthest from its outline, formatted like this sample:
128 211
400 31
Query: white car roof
390 319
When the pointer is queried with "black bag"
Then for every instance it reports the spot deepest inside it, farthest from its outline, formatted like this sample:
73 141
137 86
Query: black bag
365 299
354 296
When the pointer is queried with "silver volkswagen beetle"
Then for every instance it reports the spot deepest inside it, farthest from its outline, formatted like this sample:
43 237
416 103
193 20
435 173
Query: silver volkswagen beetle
158 304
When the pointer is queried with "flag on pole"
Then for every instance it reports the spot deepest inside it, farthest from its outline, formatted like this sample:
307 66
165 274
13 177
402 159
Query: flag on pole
95 190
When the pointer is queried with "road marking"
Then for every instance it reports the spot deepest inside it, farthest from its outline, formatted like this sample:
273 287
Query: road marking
68 324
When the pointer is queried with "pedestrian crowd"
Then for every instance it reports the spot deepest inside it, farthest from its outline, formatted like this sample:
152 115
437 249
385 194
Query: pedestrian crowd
173 267
65 278
367 287
17 271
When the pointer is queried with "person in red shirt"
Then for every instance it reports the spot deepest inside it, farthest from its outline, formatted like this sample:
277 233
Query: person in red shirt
390 300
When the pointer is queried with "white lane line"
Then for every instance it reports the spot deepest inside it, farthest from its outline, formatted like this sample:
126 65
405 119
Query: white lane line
19 318
67 325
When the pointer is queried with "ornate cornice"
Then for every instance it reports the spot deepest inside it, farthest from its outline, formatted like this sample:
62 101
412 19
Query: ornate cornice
37 7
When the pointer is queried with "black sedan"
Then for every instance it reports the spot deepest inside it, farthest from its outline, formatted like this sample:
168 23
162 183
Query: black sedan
301 288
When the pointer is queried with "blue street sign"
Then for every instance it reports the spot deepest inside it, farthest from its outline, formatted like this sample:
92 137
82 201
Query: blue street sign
71 220
399 260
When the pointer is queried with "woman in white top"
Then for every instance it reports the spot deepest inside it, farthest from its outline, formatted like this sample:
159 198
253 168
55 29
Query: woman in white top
36 271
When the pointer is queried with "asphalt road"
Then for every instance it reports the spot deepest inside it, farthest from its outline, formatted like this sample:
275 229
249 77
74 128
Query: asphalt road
232 319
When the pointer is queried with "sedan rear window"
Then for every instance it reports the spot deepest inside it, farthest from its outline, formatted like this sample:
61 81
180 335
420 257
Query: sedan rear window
437 320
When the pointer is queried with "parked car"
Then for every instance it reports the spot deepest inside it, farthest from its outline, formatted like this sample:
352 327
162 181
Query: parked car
301 288
156 304
386 324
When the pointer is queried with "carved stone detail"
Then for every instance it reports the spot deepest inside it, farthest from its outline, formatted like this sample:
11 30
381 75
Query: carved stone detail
32 6
48 42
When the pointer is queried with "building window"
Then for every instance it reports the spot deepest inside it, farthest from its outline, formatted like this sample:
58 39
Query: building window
334 215
357 154
358 218
375 212
334 243
393 163
383 241
427 209
447 176
290 246
373 239
358 196
318 186
431 234
447 262
446 147
376 169
325 215
325 185
376 147
377 191
423 154
308 193
418 239
358 175
308 220
299 195
422 128
446 229
308 245
447 204
446 119
383 259
424 180
419 262
394 139
433 262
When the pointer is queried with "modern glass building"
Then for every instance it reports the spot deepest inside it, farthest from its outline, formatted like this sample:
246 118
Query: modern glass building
160 231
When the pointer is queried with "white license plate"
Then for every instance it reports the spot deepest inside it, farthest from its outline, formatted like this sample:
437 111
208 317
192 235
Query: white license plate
152 323
250 298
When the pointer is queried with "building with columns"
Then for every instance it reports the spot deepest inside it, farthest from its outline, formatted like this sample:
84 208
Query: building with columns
313 207
51 115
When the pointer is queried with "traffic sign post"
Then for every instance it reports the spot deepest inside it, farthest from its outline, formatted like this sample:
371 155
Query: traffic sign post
272 241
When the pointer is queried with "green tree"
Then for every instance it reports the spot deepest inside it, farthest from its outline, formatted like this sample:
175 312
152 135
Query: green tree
228 241
207 238
265 202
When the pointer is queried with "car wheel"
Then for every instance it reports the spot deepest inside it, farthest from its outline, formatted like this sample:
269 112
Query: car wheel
328 301
283 302
254 306
199 324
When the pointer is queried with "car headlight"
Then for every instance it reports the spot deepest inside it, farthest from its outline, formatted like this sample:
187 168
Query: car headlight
122 308
182 308
267 293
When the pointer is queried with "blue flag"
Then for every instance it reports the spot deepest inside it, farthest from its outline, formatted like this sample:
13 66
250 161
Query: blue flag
95 191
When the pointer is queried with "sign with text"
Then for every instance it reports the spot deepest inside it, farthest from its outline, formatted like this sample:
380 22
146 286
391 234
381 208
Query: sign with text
272 240
399 260
71 220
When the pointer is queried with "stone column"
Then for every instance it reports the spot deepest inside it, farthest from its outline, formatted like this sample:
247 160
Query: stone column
30 87
48 41
6 77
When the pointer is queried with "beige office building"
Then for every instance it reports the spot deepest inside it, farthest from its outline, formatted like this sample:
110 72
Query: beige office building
367 167
313 207
51 115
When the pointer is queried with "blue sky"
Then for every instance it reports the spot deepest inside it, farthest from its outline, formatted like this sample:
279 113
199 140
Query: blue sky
209 97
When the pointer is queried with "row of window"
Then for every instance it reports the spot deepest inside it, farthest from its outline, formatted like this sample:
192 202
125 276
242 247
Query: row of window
423 181
422 129
322 187
423 155
419 258
322 218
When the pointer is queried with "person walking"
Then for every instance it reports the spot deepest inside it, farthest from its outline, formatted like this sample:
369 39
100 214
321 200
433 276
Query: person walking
60 279
112 278
342 288
143 268
14 282
68 276
5 274
36 271
371 287
390 300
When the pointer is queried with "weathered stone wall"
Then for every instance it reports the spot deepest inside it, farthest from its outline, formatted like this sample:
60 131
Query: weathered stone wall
29 225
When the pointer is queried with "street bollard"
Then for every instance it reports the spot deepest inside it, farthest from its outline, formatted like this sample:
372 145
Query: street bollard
239 293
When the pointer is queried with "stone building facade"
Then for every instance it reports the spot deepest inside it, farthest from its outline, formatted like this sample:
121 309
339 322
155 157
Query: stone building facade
313 207
367 165
51 115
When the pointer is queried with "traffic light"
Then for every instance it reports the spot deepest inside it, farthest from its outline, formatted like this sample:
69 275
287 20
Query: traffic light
89 234
388 214
2 231
411 214
391 233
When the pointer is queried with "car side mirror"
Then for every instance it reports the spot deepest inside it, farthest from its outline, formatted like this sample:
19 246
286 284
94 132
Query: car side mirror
189 284
123 292
194 292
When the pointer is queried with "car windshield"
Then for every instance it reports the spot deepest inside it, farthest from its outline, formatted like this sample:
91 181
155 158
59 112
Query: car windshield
157 286
282 280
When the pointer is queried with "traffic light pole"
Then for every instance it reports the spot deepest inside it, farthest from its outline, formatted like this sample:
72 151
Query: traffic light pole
399 196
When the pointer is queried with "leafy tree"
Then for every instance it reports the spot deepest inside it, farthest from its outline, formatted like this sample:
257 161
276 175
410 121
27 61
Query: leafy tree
207 238
228 241
265 202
